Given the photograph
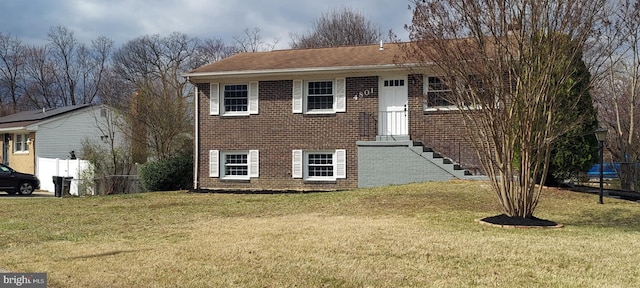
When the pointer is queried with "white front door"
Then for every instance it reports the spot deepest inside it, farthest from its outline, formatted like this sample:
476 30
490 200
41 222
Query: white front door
393 118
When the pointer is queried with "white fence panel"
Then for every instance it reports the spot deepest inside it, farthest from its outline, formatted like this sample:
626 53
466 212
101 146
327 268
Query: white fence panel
47 168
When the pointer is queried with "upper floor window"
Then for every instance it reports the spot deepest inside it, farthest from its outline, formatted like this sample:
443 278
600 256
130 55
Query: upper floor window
21 143
438 93
233 99
236 98
319 96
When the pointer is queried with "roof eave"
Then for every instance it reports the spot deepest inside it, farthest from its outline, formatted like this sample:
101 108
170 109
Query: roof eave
295 71
13 129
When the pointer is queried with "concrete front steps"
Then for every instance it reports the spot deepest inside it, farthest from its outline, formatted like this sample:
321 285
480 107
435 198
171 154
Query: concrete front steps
382 163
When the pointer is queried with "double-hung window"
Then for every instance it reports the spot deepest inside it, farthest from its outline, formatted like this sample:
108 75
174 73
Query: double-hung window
233 165
233 99
236 98
438 94
236 165
21 143
319 96
319 165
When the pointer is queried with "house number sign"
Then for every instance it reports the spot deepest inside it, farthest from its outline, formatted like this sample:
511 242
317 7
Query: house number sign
364 93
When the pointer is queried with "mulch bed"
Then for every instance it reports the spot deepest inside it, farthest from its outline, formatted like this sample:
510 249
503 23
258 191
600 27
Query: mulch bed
505 221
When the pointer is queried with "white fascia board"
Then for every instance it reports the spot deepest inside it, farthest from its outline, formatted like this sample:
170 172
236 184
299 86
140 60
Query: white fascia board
298 71
13 129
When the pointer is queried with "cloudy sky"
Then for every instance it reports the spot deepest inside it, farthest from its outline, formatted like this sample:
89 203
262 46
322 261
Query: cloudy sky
124 20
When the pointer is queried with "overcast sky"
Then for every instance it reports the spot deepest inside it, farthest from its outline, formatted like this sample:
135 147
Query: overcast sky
124 20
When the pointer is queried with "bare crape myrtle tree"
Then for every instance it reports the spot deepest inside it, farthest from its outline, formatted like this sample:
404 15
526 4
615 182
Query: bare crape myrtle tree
506 63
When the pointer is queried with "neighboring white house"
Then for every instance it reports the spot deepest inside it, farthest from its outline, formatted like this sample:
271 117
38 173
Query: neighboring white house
51 133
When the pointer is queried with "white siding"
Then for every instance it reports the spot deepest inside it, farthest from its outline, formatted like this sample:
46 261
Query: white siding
57 137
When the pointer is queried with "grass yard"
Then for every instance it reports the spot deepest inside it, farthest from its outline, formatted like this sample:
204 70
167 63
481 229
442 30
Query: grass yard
419 235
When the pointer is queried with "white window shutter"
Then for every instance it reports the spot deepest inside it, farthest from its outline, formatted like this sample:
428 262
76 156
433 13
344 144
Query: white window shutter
254 164
341 163
297 96
214 99
297 164
214 163
253 97
341 95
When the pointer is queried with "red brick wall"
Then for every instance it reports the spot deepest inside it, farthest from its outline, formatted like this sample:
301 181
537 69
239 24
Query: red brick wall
443 131
276 131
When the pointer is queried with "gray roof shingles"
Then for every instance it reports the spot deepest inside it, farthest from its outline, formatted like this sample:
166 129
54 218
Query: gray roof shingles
24 118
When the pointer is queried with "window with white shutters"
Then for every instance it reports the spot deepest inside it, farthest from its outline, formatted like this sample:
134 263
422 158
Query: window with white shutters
319 96
319 165
234 165
234 99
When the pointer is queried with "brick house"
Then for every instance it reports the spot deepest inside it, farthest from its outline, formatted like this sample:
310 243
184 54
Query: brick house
324 119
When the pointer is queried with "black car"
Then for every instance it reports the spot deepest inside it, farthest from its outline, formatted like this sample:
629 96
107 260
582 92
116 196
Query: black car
12 181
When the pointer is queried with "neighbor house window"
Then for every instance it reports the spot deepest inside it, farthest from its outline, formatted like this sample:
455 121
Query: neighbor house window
438 93
20 143
319 96
234 165
319 165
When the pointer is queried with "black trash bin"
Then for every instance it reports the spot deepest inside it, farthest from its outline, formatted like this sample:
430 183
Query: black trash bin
57 183
66 185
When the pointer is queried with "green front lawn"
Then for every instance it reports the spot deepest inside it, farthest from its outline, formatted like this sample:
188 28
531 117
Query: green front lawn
420 235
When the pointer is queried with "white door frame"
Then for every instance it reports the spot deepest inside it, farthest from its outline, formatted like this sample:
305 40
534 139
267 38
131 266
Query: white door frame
393 101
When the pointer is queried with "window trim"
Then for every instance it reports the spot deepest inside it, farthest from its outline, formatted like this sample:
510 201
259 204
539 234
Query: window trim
217 165
426 91
300 167
223 98
306 96
24 143
459 85
301 96
307 166
216 99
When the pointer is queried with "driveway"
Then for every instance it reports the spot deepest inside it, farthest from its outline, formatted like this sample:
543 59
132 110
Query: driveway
36 194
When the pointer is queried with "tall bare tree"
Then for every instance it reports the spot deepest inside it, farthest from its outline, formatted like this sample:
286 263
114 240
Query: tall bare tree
78 68
505 62
12 60
338 27
40 81
213 49
251 41
153 66
619 92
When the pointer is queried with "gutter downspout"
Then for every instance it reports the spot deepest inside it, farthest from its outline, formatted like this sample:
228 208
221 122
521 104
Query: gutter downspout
196 139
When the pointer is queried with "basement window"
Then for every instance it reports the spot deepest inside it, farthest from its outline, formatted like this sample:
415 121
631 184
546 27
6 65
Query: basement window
319 165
